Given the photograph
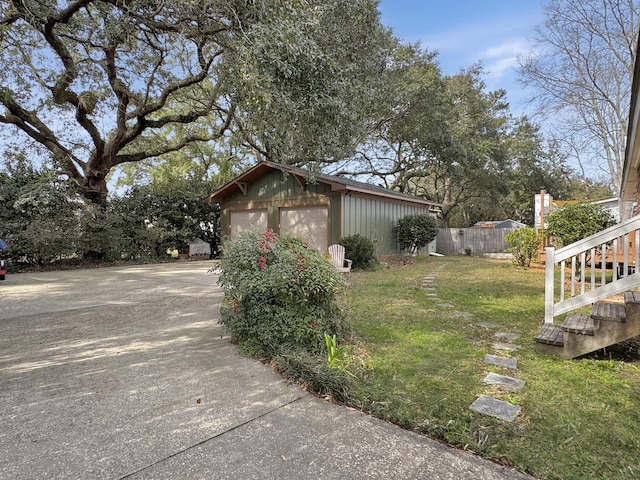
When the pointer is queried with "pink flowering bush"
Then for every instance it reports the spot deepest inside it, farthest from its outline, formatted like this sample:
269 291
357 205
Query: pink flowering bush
278 294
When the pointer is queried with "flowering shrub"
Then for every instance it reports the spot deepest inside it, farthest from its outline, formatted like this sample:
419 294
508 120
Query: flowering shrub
278 293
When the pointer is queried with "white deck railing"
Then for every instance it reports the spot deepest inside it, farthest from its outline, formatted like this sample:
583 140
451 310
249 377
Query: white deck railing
617 246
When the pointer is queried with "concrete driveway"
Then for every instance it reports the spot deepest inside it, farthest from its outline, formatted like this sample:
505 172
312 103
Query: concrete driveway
124 372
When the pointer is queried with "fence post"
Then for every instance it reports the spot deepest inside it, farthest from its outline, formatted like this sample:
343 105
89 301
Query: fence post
549 283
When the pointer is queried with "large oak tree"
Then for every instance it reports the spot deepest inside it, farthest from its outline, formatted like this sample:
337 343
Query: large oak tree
101 83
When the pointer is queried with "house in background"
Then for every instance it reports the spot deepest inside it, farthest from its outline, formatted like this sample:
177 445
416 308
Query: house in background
319 208
629 203
611 205
499 224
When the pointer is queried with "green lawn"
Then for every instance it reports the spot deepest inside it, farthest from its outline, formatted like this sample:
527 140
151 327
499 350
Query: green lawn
580 418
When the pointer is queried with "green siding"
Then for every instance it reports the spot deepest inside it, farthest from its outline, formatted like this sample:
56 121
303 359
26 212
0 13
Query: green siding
372 217
375 219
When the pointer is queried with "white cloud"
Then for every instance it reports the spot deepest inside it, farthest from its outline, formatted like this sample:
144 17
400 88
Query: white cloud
497 44
503 58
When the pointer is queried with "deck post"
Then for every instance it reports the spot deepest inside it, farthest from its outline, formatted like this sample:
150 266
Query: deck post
549 283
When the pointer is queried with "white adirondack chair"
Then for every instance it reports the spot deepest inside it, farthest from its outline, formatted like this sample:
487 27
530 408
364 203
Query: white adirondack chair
337 258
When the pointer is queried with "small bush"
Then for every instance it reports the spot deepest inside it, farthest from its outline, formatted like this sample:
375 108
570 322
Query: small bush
360 250
524 245
279 294
416 231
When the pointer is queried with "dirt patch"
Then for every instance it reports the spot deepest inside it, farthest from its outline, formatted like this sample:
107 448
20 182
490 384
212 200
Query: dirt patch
627 351
398 260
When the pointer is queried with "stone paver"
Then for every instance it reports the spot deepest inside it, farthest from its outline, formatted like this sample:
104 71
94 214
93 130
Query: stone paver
501 361
507 335
495 408
503 381
509 347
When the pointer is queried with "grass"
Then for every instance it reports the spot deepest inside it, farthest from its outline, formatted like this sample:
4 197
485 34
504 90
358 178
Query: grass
580 418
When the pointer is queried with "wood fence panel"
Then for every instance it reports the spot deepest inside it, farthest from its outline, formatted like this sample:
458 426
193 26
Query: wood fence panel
455 241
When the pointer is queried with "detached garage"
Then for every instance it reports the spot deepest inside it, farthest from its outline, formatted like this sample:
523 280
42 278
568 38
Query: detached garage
319 208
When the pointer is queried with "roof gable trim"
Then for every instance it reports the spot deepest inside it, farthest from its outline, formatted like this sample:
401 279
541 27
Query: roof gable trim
304 178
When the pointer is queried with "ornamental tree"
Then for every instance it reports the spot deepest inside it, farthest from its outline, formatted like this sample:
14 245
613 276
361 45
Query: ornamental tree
416 231
575 222
523 244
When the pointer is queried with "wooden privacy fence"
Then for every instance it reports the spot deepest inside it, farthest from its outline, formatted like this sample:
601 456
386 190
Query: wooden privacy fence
473 241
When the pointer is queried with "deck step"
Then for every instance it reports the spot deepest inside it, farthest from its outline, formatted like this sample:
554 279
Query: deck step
551 335
631 297
578 323
610 312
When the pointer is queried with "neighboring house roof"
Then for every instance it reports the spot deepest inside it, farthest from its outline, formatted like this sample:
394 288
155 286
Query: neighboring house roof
611 201
498 224
304 177
605 201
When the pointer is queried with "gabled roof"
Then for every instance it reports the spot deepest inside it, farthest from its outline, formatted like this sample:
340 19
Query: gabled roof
304 177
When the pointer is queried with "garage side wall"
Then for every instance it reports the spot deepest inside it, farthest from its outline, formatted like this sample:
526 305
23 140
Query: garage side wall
376 219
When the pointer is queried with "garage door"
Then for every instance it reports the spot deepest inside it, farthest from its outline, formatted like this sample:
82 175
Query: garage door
309 223
240 220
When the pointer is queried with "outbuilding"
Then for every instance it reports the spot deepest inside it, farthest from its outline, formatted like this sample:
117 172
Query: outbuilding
320 208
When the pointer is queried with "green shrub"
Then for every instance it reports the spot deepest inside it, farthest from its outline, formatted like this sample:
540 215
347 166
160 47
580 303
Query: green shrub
575 222
278 294
360 250
416 231
524 243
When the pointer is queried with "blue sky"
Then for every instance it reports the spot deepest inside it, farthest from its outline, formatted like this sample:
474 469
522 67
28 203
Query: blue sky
464 32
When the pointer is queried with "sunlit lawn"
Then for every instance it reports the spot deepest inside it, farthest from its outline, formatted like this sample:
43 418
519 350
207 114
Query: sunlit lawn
580 418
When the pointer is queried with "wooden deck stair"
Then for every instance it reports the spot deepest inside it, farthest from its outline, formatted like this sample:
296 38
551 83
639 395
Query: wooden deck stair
608 324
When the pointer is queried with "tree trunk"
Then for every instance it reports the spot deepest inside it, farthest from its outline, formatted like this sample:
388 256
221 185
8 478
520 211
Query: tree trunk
446 201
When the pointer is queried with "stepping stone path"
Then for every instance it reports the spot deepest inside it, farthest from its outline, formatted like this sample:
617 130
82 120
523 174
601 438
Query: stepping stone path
428 283
485 404
488 405
429 280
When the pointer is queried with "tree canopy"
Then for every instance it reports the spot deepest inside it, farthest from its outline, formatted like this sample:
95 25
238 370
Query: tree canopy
101 83
44 220
166 94
449 139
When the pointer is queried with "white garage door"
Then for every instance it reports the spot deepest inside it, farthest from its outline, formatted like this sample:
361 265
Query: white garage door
309 223
240 220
